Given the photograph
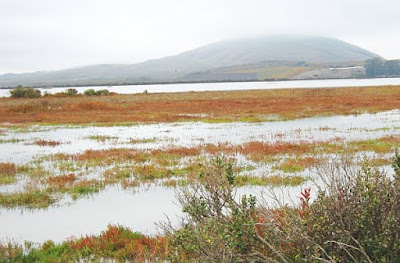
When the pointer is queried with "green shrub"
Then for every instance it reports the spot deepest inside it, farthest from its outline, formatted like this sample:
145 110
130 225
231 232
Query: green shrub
218 228
92 92
356 217
71 92
89 92
27 92
102 92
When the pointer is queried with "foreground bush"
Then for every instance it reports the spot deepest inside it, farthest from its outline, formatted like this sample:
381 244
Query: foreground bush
21 92
354 218
357 216
220 227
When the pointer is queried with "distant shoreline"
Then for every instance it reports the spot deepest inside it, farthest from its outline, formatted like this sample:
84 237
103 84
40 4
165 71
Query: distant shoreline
191 82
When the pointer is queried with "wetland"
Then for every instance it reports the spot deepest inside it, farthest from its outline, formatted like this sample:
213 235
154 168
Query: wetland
76 166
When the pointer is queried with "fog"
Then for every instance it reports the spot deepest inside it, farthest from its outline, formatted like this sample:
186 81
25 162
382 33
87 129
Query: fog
54 34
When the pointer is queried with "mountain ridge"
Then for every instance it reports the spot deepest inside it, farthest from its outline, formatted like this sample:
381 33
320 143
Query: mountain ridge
201 61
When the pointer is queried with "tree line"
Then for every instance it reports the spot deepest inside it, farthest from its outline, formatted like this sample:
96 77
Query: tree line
378 67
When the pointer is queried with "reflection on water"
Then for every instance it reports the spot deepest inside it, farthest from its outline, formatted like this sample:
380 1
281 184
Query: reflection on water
327 83
76 140
140 211
91 215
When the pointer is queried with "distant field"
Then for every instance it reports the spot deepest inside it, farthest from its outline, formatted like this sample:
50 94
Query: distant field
274 72
219 106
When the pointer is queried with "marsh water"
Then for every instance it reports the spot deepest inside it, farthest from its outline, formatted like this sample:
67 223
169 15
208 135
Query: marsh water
187 87
142 207
76 139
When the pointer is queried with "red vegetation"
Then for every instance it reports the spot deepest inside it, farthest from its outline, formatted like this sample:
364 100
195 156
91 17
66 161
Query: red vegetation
120 242
223 105
8 168
47 143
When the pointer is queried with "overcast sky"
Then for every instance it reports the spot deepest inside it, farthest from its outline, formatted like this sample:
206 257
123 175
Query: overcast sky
54 34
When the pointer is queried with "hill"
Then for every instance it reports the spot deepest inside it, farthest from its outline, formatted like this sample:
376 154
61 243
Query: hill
244 58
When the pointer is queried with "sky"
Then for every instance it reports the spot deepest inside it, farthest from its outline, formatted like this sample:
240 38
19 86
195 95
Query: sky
56 34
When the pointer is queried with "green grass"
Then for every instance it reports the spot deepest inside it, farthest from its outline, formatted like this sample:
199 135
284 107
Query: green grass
33 170
381 145
101 138
8 172
136 141
7 179
83 190
174 183
12 140
33 199
275 180
291 168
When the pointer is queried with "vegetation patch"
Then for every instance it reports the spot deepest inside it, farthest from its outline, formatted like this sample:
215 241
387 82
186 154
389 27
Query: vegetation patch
46 143
117 242
8 173
27 92
101 138
147 140
217 106
12 140
31 199
272 180
60 174
381 145
296 165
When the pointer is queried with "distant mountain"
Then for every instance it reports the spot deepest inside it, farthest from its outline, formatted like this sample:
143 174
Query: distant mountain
205 63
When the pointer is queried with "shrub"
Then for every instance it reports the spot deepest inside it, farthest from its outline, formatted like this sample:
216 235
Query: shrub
218 228
354 218
102 92
89 92
71 92
92 92
28 92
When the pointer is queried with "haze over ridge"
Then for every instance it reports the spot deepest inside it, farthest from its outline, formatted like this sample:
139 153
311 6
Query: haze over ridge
253 50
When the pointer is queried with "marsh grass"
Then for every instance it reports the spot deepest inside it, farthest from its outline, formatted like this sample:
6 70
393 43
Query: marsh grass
33 170
44 143
8 172
145 140
31 200
11 140
115 243
174 182
271 180
101 138
296 165
218 106
381 145
60 174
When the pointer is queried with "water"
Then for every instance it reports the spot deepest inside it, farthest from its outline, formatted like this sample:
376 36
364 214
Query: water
156 88
191 134
141 209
